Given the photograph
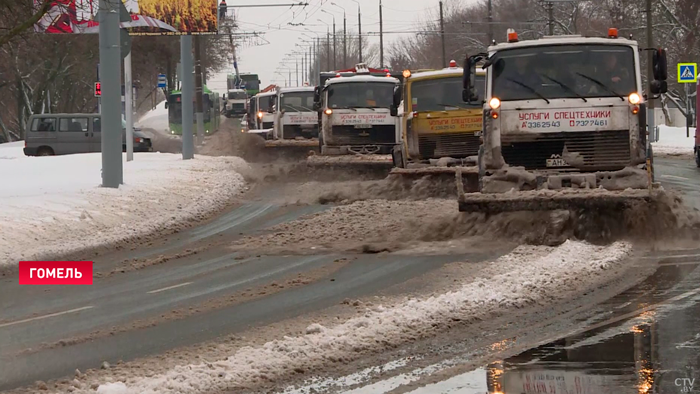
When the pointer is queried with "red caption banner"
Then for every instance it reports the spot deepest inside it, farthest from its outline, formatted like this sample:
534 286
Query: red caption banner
55 272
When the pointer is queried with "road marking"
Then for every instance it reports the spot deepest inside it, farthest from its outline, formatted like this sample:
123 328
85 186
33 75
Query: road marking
679 178
169 287
45 316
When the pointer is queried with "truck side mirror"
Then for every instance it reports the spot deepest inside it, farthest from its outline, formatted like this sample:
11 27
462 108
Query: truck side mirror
317 94
394 111
469 92
660 63
658 87
397 96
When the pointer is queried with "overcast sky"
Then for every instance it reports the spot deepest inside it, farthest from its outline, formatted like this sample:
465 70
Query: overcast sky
273 22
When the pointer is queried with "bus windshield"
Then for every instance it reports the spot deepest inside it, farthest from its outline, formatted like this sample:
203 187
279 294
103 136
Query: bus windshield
442 94
564 71
361 95
175 109
298 101
252 83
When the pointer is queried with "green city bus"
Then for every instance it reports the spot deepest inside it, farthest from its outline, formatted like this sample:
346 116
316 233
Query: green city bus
212 112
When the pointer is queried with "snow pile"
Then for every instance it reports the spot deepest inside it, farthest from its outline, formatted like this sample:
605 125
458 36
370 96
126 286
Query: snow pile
54 205
11 150
156 119
553 274
673 141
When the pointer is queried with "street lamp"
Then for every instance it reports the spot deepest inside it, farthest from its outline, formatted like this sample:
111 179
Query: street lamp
335 67
345 39
359 27
328 44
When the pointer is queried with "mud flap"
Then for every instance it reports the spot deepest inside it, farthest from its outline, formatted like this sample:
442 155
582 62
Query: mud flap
398 158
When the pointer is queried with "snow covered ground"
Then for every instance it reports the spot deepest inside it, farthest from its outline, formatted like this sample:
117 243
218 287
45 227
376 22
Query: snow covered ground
673 141
54 205
527 276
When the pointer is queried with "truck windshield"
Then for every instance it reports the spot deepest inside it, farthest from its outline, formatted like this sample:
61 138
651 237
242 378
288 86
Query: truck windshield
361 95
298 101
564 71
442 94
264 103
237 96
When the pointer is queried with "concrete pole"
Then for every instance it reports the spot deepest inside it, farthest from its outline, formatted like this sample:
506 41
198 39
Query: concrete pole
187 97
199 90
110 78
381 35
345 41
551 18
359 30
650 73
128 108
442 35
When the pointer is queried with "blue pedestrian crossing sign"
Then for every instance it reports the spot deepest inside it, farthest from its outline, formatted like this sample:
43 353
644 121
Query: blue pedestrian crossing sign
162 81
687 72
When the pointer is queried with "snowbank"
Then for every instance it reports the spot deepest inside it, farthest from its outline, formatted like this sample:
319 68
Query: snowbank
11 150
54 205
673 141
156 119
552 274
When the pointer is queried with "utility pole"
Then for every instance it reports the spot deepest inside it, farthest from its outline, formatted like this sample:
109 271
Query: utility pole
345 41
128 108
490 8
550 9
359 28
198 89
328 49
442 34
650 72
335 56
381 34
187 99
290 78
110 79
297 62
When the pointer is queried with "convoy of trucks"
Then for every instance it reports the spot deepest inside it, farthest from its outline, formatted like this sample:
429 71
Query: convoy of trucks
556 113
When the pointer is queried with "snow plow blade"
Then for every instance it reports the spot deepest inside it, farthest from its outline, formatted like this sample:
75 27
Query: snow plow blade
374 165
468 177
551 200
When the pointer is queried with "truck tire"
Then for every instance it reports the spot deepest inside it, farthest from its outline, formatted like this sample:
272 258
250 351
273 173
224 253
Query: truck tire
697 157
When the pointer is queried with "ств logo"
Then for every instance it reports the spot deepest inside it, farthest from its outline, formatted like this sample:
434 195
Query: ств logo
55 272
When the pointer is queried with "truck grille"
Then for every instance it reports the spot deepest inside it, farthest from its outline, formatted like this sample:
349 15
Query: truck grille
267 125
600 150
238 106
448 145
293 131
349 135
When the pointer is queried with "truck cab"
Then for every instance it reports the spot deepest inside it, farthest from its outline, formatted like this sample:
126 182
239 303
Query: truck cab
358 113
567 109
266 104
435 122
295 116
235 103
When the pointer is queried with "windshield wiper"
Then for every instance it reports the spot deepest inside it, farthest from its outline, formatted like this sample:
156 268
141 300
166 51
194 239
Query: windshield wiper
307 109
530 88
567 88
602 85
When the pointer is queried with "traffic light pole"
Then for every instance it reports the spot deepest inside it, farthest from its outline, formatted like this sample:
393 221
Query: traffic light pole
110 79
128 108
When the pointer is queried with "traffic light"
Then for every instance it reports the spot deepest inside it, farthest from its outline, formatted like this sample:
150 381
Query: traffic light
98 89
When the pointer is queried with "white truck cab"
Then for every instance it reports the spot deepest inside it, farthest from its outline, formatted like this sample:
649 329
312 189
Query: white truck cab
295 116
359 113
266 104
236 102
567 106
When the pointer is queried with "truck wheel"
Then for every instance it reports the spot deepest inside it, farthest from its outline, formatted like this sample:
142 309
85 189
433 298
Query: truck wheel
697 157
